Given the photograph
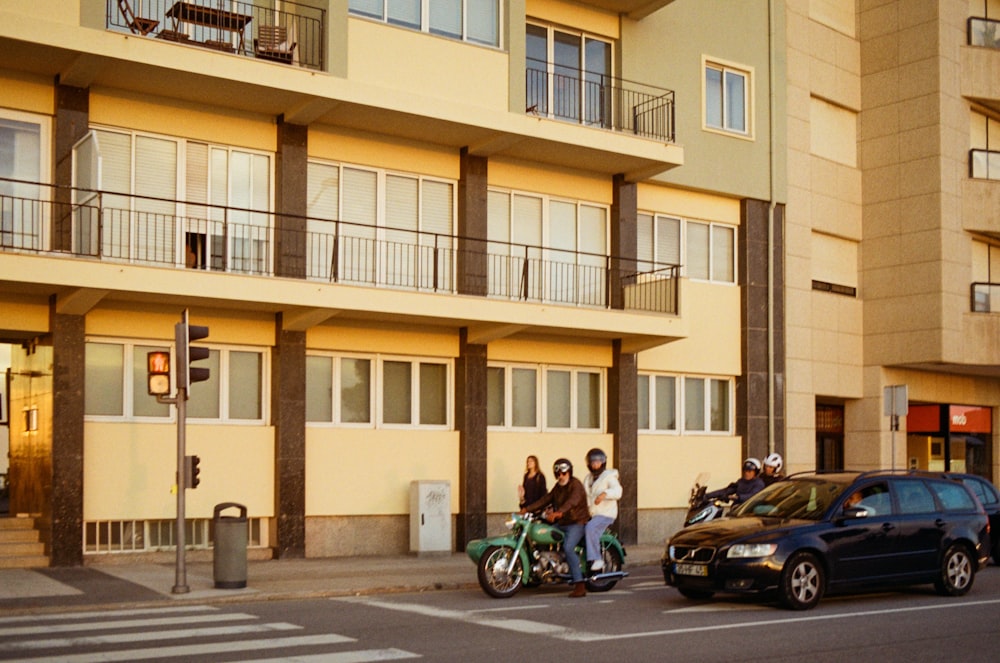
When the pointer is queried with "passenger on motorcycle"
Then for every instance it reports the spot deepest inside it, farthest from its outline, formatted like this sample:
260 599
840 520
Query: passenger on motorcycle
743 488
603 493
772 469
568 503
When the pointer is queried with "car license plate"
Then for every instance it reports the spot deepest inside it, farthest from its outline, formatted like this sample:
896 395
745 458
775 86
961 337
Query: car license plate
691 569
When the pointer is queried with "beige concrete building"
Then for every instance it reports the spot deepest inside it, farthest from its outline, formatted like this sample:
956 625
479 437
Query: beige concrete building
431 239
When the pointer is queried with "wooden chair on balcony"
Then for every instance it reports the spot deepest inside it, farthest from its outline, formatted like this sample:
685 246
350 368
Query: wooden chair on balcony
137 24
272 44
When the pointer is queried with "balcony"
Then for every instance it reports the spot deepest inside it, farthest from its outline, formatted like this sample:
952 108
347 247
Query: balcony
116 228
294 36
597 100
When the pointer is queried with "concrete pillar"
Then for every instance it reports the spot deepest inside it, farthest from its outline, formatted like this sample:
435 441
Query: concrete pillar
472 214
623 424
290 185
470 420
72 122
624 217
288 413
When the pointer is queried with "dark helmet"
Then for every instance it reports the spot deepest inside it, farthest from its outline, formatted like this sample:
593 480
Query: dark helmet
562 466
598 455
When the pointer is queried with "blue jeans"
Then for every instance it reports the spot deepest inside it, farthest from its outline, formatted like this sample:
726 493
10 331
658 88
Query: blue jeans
574 534
595 527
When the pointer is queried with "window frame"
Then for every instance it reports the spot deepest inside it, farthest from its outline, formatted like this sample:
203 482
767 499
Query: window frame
377 391
425 23
712 227
43 160
707 397
651 400
727 68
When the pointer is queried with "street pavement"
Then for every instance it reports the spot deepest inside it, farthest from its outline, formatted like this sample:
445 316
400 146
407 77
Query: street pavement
103 585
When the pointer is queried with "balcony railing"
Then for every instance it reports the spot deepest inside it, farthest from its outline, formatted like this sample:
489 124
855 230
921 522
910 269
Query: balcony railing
112 227
983 32
295 35
599 100
984 164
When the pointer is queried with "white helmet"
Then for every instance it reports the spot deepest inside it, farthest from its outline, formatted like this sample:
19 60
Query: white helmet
752 464
775 461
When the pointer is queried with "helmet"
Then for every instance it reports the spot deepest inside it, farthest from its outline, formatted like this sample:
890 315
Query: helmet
596 454
562 466
775 461
752 464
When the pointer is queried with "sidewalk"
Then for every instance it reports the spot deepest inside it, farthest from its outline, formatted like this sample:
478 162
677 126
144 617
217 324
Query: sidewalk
102 586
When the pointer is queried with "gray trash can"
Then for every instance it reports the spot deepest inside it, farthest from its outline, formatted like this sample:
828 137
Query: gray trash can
230 555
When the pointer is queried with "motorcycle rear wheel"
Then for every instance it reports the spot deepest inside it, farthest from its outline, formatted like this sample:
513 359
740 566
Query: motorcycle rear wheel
500 573
613 563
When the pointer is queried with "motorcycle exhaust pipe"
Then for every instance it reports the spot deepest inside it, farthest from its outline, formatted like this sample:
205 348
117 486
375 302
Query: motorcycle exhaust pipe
611 575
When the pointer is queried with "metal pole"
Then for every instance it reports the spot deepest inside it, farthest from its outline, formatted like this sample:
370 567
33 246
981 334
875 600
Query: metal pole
180 576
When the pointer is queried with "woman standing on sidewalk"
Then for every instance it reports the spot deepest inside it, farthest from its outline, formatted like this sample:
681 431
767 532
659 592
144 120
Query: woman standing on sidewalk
533 486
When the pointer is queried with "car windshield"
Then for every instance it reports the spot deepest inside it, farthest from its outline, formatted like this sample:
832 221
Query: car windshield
806 499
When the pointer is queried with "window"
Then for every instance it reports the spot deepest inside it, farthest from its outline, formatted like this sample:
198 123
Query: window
476 21
657 403
24 146
726 98
568 75
834 264
116 384
394 229
225 227
707 405
658 241
344 390
984 157
711 252
570 398
546 249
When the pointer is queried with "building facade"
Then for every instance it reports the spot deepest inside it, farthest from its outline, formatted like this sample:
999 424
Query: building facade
430 239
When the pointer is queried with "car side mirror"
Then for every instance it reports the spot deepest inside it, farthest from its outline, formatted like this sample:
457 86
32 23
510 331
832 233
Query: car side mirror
852 512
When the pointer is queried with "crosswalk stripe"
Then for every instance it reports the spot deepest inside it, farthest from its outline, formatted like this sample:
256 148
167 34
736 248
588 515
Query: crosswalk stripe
130 612
146 636
125 623
359 656
200 650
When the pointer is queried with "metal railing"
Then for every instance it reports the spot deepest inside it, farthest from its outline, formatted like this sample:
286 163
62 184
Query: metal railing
113 227
232 26
599 100
983 32
984 164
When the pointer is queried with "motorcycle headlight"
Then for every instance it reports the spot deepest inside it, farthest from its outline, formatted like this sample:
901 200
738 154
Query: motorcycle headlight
510 523
750 550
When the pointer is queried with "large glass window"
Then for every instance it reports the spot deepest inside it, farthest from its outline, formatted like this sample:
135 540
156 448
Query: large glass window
470 20
23 144
572 398
342 390
711 252
707 405
568 75
657 403
726 98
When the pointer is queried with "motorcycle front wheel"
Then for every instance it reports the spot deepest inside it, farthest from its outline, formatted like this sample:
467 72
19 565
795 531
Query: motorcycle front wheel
613 563
500 572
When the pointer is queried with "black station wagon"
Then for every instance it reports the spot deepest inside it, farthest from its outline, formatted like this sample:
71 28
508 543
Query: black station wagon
813 533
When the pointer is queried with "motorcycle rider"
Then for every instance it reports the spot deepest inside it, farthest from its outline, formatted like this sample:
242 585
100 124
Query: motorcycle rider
603 492
743 488
772 469
568 501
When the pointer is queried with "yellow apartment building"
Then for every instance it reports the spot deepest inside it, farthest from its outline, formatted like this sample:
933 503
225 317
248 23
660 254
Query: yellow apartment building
431 238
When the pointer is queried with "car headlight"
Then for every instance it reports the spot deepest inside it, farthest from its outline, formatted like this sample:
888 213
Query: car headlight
745 550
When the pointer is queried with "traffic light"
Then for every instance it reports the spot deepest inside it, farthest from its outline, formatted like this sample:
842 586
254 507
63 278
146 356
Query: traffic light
191 471
184 333
158 367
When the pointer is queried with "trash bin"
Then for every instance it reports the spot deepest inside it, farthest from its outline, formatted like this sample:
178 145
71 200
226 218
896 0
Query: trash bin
229 561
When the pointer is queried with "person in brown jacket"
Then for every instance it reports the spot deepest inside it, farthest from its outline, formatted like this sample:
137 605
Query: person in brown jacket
568 503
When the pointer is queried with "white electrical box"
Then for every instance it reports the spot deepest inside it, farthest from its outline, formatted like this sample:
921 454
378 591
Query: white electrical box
430 517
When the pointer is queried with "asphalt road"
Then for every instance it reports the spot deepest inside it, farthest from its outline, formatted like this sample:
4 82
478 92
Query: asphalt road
639 620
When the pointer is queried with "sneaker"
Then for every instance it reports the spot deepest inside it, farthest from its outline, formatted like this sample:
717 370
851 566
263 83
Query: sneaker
597 566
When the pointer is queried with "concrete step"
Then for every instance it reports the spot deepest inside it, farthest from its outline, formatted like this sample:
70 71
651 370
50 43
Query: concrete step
8 524
20 548
24 562
18 536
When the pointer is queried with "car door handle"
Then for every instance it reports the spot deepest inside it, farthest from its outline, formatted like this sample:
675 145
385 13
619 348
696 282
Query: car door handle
888 527
940 522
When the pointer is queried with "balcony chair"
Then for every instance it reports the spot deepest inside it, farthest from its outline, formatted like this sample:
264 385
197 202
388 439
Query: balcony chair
137 24
272 44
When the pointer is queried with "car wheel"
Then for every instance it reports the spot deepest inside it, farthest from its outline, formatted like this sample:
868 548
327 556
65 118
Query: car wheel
802 581
695 594
958 570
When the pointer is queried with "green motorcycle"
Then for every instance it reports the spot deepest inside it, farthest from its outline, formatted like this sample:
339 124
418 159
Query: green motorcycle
532 554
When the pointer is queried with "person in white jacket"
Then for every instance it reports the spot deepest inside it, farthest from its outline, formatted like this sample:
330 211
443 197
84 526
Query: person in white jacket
603 493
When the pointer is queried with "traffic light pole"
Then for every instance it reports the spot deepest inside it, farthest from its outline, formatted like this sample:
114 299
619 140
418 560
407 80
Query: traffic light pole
180 574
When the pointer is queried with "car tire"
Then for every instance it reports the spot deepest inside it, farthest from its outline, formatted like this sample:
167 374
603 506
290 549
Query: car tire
958 571
803 581
696 594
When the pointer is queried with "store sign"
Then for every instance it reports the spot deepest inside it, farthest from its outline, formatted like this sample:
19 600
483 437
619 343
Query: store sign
965 419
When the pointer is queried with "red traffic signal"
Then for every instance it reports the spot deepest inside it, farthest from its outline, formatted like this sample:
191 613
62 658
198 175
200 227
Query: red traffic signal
158 368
